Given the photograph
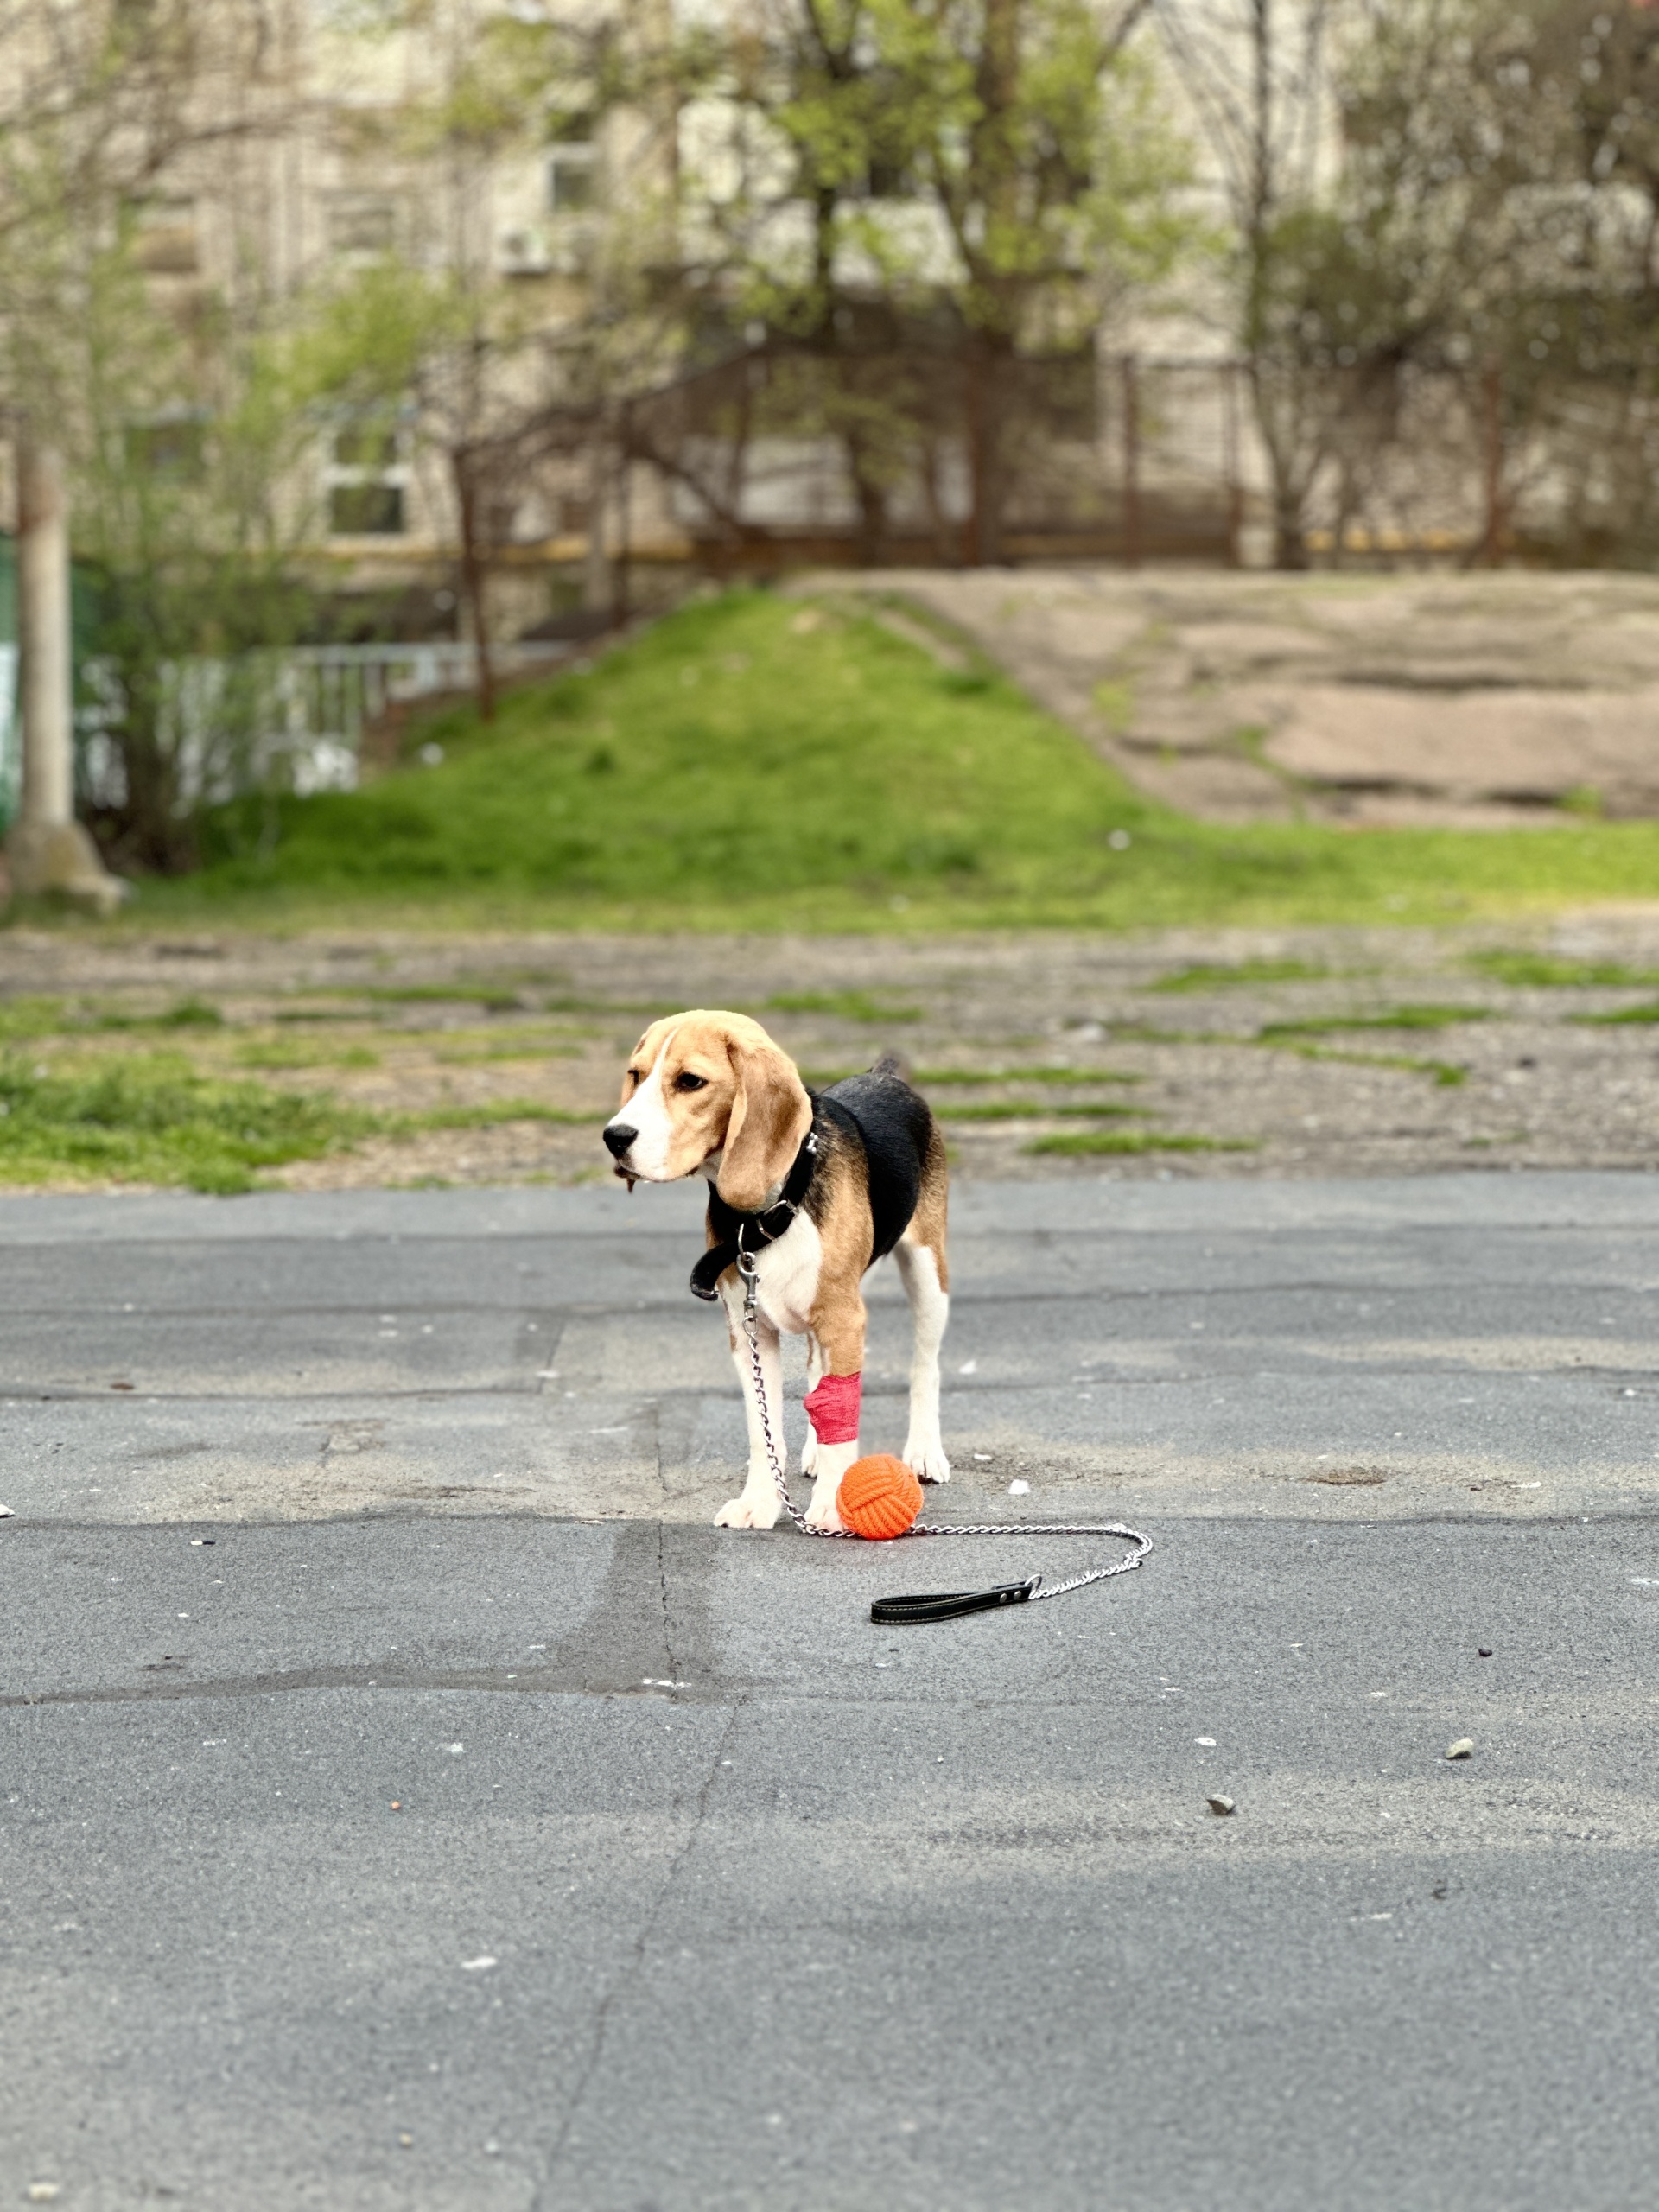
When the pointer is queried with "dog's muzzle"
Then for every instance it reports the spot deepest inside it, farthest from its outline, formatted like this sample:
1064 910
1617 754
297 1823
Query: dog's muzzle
618 1139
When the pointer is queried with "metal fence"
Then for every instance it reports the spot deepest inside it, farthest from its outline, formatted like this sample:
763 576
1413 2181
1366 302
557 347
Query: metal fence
292 719
1136 457
8 762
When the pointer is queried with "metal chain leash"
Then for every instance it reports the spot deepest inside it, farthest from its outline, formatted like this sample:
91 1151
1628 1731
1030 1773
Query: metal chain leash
1036 1588
746 1268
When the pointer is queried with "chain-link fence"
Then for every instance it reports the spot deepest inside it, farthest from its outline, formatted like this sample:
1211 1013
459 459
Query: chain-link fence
780 456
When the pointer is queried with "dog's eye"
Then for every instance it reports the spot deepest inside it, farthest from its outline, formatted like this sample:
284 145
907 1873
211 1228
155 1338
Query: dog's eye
633 1078
689 1082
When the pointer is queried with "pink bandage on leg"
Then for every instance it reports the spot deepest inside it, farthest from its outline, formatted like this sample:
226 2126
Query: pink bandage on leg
832 1408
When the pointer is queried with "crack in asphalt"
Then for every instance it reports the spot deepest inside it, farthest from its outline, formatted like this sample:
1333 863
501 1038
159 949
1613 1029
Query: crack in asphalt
179 1688
631 1972
662 1577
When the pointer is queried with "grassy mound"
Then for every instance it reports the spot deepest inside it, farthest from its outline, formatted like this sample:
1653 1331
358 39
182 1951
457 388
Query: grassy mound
756 763
744 751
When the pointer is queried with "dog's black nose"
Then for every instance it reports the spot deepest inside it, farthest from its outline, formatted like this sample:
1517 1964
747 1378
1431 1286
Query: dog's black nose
618 1137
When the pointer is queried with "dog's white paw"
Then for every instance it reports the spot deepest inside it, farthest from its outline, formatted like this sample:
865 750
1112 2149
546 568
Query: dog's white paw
809 1451
821 1513
748 1512
927 1461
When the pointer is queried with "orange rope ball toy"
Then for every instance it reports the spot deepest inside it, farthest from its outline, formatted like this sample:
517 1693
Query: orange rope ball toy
879 1497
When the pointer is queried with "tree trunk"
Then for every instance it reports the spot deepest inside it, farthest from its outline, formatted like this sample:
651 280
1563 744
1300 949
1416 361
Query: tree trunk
1280 424
596 591
621 571
1131 462
474 582
1492 411
871 498
989 364
1289 545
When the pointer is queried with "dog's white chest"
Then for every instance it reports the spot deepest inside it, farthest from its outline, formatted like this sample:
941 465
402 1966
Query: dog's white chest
787 1276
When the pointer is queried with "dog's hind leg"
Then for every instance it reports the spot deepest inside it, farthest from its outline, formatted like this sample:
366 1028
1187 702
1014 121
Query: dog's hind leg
757 1505
923 1269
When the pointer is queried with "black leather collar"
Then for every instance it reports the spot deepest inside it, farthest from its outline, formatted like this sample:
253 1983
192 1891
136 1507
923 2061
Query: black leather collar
736 1232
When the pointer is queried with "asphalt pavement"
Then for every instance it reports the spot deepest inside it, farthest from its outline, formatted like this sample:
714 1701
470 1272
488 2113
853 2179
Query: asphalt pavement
410 1801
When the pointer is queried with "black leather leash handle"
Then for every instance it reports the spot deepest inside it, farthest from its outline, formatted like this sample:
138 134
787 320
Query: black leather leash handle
949 1604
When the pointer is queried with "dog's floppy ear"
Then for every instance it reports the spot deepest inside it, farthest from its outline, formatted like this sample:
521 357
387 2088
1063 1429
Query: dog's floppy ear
770 1115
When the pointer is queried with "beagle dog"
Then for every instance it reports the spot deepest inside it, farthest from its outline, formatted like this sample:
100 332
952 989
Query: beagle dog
817 1186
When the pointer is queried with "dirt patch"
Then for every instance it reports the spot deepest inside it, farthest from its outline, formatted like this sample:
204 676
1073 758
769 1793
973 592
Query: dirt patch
1295 1052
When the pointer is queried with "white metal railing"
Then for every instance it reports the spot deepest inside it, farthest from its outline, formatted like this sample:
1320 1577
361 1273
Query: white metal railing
294 716
10 764
332 692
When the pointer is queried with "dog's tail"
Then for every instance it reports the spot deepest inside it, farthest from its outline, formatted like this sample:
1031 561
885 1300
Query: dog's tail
891 1064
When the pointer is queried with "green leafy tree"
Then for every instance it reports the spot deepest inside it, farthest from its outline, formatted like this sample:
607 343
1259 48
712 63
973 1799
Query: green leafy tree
399 351
976 182
178 445
98 104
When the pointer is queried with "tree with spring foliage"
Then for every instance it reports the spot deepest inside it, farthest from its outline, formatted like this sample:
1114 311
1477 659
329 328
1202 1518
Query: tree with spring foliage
97 103
971 182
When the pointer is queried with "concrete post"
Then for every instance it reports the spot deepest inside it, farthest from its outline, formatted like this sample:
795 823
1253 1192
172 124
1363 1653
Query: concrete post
48 850
46 686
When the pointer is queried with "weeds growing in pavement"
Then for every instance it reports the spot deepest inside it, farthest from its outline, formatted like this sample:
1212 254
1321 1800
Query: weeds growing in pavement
1397 1017
846 1006
151 1118
1650 1012
1010 1109
1136 1140
1212 976
1537 970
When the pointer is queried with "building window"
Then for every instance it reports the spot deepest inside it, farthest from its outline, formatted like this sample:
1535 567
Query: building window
367 483
570 169
362 222
164 238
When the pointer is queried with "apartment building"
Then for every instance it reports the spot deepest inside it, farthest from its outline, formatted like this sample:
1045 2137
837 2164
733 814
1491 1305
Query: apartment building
337 154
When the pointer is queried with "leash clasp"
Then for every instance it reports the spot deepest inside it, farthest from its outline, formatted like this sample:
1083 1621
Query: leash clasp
750 1272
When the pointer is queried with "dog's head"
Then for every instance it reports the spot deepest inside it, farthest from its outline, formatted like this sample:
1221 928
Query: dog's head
710 1091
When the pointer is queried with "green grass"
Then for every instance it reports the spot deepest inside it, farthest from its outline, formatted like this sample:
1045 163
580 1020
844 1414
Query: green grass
490 1114
1006 1109
1447 1073
1537 970
1122 1141
930 1078
150 1118
977 1078
1204 977
1398 1017
24 1019
281 1053
509 1048
1648 1013
832 779
846 1006
186 1014
494 998
35 1015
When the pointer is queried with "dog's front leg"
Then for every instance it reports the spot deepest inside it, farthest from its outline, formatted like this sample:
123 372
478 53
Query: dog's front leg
832 1404
757 1506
